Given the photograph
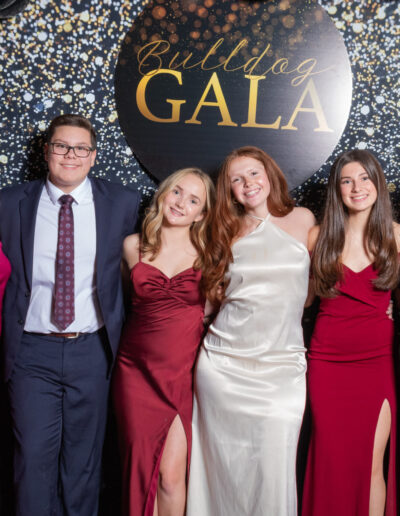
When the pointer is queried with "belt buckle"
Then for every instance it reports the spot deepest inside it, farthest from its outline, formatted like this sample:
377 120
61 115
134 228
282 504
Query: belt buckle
74 336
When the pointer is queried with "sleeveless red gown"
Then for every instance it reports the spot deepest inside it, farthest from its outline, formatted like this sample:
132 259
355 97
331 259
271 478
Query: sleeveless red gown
5 271
350 374
153 378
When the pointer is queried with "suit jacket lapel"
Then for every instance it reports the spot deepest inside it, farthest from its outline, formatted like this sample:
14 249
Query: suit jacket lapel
28 210
103 211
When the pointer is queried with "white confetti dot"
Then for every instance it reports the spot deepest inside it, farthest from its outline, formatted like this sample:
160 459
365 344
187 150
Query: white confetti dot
348 16
28 97
365 110
3 159
90 97
369 131
99 61
67 98
361 145
77 88
358 27
381 13
42 36
128 151
380 99
48 103
84 16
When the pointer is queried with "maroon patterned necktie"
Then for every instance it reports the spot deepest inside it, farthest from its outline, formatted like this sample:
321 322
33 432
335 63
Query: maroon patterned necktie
64 290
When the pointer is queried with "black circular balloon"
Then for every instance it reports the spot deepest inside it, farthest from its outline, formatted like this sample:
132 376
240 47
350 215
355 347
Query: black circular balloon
10 8
196 79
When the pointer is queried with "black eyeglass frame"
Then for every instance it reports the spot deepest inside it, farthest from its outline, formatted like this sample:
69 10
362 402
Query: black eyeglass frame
69 147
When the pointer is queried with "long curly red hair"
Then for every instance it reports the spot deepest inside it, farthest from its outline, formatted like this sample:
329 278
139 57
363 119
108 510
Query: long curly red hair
228 216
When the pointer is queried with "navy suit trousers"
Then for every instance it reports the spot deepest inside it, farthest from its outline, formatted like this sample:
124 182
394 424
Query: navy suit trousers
58 395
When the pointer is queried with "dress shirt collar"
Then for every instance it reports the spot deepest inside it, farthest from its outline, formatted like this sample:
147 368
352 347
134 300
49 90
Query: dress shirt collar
81 193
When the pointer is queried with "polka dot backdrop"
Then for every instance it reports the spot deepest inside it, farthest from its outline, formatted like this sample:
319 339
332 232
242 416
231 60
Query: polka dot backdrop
61 57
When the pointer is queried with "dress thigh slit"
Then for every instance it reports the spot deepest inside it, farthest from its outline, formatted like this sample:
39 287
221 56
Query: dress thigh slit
152 491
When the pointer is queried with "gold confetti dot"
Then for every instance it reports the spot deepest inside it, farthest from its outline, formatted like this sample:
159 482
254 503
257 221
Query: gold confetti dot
288 21
159 12
202 12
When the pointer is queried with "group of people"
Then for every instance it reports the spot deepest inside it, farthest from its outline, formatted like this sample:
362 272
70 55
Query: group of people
208 378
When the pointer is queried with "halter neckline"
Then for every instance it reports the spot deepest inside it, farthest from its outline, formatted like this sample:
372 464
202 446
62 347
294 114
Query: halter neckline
261 219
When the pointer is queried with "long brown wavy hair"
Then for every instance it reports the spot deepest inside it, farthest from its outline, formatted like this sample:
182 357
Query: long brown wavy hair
229 214
200 231
379 239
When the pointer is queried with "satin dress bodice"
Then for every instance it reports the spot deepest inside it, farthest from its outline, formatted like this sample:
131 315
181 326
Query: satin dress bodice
359 308
259 323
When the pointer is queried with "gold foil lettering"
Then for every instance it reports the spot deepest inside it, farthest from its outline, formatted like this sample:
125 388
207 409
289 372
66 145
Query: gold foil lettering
316 109
219 103
252 108
141 98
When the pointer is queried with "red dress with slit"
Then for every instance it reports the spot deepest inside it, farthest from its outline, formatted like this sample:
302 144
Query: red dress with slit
350 375
5 271
153 378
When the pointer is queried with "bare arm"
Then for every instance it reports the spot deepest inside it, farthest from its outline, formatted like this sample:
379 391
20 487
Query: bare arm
130 257
396 292
312 239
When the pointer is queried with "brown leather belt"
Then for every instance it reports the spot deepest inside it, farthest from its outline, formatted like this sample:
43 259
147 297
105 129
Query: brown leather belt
72 335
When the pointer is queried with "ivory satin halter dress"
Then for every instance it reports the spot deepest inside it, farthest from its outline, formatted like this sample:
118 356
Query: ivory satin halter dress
250 383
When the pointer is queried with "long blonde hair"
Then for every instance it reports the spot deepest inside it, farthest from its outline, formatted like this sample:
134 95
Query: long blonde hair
200 231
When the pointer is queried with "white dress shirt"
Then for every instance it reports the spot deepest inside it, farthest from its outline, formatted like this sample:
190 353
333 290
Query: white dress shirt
88 317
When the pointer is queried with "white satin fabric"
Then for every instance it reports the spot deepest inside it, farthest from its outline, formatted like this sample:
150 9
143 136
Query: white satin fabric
250 384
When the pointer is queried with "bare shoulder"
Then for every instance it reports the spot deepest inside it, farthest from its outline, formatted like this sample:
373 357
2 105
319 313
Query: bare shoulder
303 217
130 250
297 223
396 230
312 237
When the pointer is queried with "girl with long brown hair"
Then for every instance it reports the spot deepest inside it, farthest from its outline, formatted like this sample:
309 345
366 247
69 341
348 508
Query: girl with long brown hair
355 265
250 374
152 384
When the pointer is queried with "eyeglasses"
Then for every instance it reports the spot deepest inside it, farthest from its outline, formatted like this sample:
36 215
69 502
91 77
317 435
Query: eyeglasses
62 149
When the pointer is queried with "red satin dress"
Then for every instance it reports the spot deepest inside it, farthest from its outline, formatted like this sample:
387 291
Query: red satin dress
350 374
5 271
153 379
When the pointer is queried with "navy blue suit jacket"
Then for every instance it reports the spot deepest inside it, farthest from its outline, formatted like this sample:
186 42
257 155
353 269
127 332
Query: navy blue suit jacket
116 210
